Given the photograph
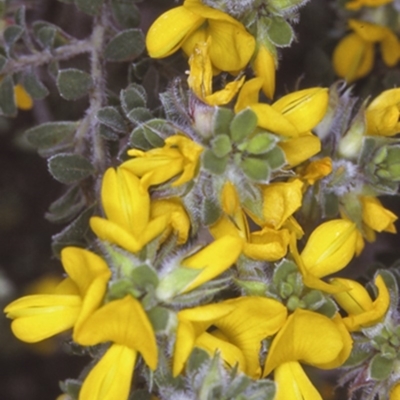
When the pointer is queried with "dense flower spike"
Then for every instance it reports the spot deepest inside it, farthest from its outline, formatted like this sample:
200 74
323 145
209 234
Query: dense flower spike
229 202
38 317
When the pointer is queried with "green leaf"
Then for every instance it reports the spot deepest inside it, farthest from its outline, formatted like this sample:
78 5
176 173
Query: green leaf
154 131
19 16
221 145
159 318
222 120
276 158
70 168
91 7
34 86
111 117
11 34
261 143
67 206
107 133
380 367
52 137
144 276
214 164
46 36
7 97
196 360
280 32
138 140
139 115
211 211
127 45
243 125
134 96
73 83
74 234
256 169
126 13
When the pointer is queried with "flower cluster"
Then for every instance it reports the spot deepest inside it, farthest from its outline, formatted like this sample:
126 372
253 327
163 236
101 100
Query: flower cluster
219 231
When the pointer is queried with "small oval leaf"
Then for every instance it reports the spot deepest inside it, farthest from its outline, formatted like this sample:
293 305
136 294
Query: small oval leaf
70 168
73 83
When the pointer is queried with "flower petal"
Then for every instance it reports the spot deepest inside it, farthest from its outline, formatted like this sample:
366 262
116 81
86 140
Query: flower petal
299 340
170 30
22 98
111 377
293 383
264 66
249 94
123 322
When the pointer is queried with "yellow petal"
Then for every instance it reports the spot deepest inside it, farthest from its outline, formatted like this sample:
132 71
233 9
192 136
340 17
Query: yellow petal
249 93
273 121
232 46
252 320
39 317
299 340
367 31
300 148
90 273
390 49
123 322
293 383
22 98
280 201
170 30
386 99
353 57
230 353
213 259
225 95
267 244
374 314
395 392
376 216
330 247
304 108
264 66
111 377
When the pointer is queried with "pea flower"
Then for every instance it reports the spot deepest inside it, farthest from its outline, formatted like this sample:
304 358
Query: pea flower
268 244
299 341
353 57
182 27
125 324
264 66
38 317
382 114
329 249
126 203
361 310
241 324
200 78
22 99
179 156
376 217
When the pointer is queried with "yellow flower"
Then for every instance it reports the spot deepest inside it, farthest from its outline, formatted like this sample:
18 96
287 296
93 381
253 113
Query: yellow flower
382 115
126 203
200 78
299 340
185 26
264 66
316 170
361 310
353 57
41 316
268 244
179 221
292 115
357 4
241 324
376 217
179 156
22 98
124 323
329 249
204 265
